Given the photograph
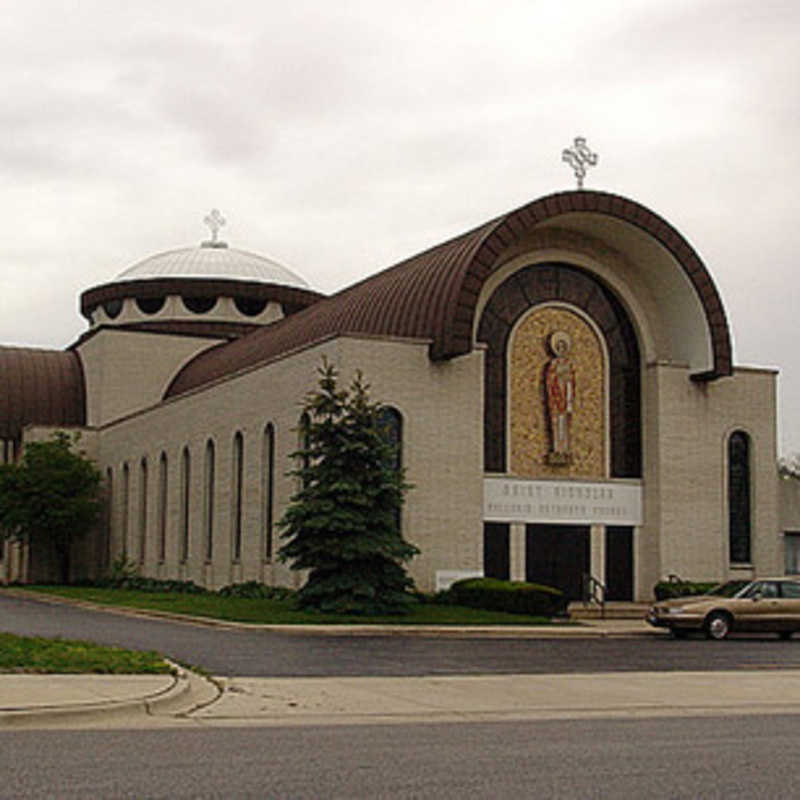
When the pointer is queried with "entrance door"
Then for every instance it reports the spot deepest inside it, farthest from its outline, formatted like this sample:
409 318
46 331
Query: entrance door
557 556
619 562
496 560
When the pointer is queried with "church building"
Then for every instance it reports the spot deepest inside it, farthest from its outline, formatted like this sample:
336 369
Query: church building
559 379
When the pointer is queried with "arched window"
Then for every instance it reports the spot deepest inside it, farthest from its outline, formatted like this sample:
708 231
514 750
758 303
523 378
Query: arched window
162 508
109 516
304 440
268 487
126 497
208 502
739 522
142 509
186 470
390 421
238 465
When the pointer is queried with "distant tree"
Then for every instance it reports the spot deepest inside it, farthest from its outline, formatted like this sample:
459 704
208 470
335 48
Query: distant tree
343 523
50 497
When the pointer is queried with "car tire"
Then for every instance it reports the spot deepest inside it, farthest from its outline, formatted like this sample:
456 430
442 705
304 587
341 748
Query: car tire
718 625
785 635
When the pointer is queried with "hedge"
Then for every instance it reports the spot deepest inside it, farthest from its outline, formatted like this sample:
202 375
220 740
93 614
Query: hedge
515 597
665 590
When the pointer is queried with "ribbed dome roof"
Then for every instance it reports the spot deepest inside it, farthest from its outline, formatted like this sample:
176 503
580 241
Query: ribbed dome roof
216 261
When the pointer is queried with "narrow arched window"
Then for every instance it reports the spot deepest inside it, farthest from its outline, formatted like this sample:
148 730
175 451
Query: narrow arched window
142 509
186 470
238 467
109 516
390 422
208 502
304 440
162 508
268 487
739 518
126 492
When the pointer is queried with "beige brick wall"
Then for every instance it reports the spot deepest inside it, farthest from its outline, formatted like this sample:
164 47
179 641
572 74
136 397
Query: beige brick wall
441 407
686 426
126 370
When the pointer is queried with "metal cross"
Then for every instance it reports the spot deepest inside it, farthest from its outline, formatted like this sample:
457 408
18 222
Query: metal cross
215 221
579 157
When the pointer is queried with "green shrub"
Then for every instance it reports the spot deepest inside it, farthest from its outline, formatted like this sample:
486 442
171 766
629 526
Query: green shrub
666 590
515 597
256 591
141 584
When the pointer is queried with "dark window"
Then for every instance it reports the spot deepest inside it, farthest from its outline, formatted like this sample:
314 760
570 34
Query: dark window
186 469
112 308
162 508
208 504
238 462
268 487
199 305
390 421
791 589
150 305
249 306
739 497
126 490
304 440
142 509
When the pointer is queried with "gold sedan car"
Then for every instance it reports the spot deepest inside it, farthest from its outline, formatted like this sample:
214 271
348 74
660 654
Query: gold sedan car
764 605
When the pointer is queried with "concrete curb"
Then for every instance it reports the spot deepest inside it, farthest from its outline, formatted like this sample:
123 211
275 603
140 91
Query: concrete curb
184 693
599 629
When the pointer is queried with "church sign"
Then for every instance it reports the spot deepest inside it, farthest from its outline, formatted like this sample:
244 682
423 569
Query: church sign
569 502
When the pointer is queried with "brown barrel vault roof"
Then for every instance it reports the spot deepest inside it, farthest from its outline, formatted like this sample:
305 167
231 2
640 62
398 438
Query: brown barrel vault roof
42 387
434 295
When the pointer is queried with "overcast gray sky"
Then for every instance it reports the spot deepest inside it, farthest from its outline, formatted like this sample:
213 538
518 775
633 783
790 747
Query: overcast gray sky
340 137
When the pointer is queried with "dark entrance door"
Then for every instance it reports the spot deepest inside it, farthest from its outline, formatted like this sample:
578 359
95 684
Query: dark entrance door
496 560
558 556
619 562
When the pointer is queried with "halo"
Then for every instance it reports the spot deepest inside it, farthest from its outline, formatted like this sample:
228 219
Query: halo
557 337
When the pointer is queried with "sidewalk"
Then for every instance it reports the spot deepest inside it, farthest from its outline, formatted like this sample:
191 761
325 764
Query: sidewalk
159 701
62 700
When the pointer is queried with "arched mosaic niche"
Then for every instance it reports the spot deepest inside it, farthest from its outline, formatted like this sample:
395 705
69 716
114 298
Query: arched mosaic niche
540 284
529 356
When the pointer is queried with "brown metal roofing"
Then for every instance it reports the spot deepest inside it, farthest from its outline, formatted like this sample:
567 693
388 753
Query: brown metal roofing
433 295
39 386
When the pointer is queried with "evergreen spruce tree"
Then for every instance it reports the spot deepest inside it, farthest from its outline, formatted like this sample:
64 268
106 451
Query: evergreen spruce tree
343 523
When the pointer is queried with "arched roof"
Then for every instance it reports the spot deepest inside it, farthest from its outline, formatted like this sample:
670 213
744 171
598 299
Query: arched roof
42 387
434 295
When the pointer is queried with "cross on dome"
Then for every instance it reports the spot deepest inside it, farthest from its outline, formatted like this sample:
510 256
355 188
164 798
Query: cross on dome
215 221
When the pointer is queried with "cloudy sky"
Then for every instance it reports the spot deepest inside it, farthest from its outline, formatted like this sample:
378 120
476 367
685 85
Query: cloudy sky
340 137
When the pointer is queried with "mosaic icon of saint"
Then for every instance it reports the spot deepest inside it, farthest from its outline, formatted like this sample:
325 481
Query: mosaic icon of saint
559 381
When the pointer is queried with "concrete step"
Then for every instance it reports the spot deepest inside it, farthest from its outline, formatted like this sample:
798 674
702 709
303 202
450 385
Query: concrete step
613 610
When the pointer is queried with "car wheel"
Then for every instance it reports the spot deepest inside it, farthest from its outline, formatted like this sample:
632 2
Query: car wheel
718 625
785 635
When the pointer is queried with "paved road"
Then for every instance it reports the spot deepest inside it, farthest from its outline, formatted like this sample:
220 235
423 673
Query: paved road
265 654
732 757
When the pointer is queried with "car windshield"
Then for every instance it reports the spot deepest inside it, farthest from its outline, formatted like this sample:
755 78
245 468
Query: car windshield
729 588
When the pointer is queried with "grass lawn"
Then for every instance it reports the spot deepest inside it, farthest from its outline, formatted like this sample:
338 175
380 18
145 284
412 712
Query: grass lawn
280 612
35 655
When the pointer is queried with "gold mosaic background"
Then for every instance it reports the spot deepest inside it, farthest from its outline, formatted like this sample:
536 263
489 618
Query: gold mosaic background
530 438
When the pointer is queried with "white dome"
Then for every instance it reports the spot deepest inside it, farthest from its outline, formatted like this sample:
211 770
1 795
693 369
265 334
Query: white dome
216 261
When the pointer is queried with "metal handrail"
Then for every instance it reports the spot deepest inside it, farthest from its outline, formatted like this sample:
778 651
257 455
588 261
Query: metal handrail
594 591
